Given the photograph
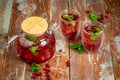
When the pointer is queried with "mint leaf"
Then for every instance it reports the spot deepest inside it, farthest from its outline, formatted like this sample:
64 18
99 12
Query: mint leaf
74 46
34 49
93 37
79 50
35 67
93 17
31 38
65 16
97 29
70 23
69 17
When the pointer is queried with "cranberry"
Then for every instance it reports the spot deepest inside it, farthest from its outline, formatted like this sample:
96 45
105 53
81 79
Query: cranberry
41 79
68 63
47 69
47 75
34 76
102 16
87 11
106 16
47 65
100 20
47 79
107 11
39 74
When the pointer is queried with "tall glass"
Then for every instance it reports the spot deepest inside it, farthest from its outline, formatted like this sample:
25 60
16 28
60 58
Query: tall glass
92 35
69 22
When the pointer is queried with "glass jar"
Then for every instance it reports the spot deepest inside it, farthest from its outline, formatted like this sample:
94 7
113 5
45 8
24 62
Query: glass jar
37 43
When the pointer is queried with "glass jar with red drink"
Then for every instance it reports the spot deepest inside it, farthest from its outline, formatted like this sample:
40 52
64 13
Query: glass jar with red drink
92 35
69 22
37 43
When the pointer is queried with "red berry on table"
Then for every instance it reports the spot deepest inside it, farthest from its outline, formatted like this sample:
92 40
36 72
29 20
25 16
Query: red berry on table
47 65
47 69
34 76
41 79
102 16
68 63
106 16
87 11
107 11
100 20
47 79
39 74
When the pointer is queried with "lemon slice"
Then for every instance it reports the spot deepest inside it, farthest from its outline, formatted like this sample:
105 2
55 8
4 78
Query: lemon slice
34 25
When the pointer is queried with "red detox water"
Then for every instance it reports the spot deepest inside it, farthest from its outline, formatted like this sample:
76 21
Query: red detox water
36 49
69 25
92 37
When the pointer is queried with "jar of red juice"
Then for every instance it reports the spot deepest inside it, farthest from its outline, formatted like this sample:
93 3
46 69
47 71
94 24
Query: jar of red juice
37 43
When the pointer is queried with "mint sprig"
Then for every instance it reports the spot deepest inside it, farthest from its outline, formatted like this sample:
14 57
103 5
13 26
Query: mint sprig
34 49
35 67
31 38
93 17
69 17
78 47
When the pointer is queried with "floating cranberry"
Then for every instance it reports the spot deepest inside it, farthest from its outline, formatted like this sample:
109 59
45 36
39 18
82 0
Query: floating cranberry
68 63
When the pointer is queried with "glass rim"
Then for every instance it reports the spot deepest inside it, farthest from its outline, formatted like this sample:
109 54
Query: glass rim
69 11
93 34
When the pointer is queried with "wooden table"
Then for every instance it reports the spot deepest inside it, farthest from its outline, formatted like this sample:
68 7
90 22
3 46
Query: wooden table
101 65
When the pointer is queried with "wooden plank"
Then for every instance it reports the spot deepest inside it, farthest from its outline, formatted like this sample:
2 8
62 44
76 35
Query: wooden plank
90 65
115 38
58 62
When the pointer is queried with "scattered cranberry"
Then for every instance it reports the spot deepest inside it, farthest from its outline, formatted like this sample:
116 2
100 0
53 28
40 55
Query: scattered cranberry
107 11
34 76
68 63
47 79
47 65
100 20
41 79
47 69
87 11
47 75
106 16
102 16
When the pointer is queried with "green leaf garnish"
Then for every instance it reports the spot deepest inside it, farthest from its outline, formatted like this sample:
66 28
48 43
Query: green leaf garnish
69 17
74 46
93 37
78 47
34 49
79 50
93 17
72 23
97 28
35 67
31 38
